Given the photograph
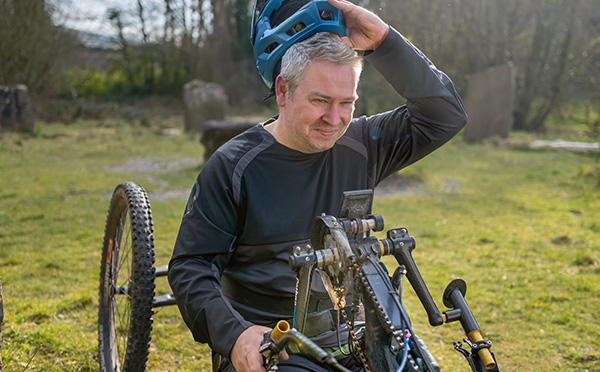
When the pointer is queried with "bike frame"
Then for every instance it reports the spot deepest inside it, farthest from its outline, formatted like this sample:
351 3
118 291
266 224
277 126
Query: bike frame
341 249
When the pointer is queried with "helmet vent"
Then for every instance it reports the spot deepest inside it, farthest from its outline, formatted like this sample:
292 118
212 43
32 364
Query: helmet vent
326 15
297 28
271 47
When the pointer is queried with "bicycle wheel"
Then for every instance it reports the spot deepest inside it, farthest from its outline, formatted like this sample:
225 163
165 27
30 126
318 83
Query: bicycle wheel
126 282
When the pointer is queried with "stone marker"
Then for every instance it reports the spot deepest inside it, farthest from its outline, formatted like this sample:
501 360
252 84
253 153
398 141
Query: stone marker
490 103
203 101
8 107
217 132
16 109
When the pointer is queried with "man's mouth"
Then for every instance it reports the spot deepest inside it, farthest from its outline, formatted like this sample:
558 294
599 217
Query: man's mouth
326 132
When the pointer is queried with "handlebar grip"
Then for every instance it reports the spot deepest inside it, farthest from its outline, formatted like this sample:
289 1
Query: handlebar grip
454 297
484 354
280 330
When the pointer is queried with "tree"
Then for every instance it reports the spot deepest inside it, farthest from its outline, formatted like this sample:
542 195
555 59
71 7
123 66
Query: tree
114 15
33 48
541 38
542 69
545 40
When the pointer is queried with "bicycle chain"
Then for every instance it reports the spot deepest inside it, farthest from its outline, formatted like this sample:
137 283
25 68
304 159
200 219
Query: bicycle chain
398 334
358 349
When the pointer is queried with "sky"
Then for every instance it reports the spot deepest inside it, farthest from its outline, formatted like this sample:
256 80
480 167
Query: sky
85 15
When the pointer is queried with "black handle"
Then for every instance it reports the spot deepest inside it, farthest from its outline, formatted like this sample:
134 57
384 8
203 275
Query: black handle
303 263
402 244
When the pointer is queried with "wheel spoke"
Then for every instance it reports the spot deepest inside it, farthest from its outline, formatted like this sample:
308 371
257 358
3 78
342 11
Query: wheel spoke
124 259
122 313
122 277
114 345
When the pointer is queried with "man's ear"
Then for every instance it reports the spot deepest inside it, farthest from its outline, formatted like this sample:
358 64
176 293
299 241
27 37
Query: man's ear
281 90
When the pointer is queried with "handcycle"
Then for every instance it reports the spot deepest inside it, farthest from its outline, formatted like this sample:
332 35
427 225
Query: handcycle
341 250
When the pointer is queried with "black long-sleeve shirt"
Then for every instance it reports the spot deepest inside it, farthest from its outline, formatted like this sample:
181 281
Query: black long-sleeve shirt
255 199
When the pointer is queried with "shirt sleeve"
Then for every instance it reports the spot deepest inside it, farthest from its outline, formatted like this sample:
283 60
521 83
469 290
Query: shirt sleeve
433 114
205 241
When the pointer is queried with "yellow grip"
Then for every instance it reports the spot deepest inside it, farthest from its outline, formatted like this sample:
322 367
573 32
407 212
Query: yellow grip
280 329
484 354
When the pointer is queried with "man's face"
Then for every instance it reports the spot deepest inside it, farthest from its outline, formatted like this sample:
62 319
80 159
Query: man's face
317 113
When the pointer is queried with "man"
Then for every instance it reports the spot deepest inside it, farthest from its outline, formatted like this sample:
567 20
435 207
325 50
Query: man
257 195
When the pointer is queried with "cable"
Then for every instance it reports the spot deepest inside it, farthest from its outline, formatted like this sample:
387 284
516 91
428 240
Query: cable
405 355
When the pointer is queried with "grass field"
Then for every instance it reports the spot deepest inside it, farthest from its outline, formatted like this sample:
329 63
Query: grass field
522 227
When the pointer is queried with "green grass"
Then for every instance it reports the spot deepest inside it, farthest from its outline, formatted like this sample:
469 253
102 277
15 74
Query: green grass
521 227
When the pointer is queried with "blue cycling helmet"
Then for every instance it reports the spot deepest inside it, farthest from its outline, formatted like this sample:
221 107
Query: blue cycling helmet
277 24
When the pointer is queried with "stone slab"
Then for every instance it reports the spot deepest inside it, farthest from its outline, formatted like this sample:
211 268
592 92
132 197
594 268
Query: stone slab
490 103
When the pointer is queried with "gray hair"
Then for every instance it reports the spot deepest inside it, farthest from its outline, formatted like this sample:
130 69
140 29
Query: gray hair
319 47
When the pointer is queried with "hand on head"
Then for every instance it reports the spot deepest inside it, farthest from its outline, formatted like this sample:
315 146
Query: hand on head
365 29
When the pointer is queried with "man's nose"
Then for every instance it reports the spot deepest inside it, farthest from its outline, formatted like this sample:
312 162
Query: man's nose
332 115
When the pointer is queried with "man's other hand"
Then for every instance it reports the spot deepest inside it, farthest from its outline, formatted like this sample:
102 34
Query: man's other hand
245 354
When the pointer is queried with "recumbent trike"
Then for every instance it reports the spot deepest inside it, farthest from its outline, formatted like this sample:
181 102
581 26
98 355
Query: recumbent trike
381 337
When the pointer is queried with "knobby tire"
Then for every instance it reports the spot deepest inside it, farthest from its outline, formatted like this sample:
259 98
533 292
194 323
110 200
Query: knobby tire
126 282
